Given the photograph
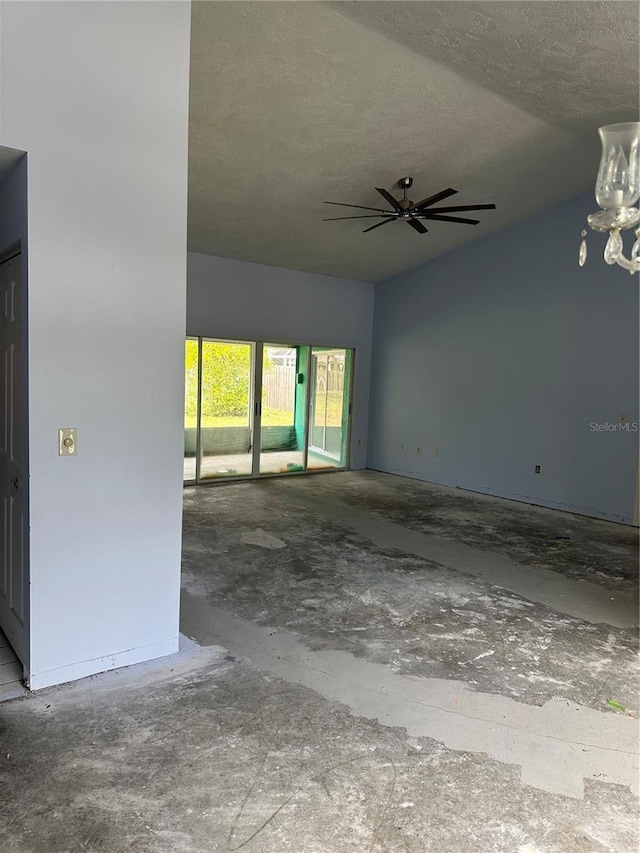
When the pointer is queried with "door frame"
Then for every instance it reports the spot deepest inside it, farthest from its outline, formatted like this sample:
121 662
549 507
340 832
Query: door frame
21 645
348 402
256 425
198 481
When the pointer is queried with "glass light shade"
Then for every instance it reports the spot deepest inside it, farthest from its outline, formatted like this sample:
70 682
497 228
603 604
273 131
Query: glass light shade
618 181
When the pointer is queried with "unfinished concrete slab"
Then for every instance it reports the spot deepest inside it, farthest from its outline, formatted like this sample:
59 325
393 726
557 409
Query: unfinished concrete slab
208 754
346 695
557 745
589 601
509 632
333 586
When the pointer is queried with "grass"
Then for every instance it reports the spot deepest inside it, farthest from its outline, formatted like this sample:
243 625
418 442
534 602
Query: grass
272 417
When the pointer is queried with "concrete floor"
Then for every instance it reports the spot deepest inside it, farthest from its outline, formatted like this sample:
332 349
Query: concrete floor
376 664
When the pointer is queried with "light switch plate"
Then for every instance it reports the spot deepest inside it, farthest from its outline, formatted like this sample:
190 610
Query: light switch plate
67 441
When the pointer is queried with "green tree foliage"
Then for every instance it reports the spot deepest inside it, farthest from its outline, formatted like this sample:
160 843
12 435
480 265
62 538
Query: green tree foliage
191 380
226 372
226 369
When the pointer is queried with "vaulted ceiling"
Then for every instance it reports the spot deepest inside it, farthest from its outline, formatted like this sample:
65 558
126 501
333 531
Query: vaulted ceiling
296 103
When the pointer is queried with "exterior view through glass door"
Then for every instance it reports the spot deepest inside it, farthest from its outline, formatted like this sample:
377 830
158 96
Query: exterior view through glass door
254 409
283 411
329 407
226 409
191 385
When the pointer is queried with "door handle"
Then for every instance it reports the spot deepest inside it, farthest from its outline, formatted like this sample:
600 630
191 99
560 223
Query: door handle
14 483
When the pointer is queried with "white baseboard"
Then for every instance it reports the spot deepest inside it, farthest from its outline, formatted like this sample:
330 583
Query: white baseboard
74 671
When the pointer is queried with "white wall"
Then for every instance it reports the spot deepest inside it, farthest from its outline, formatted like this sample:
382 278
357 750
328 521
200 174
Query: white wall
244 301
97 94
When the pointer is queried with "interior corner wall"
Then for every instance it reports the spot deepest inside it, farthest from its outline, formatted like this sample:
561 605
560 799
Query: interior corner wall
246 301
97 94
506 355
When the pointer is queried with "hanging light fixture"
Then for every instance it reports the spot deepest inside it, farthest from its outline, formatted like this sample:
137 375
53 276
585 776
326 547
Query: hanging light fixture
617 190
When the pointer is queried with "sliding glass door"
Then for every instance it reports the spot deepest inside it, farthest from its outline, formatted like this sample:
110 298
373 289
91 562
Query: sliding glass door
261 409
283 409
226 410
329 407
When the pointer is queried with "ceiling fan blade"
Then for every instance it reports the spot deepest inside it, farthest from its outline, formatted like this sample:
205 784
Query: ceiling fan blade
434 216
417 226
378 224
361 216
432 199
359 206
461 207
392 201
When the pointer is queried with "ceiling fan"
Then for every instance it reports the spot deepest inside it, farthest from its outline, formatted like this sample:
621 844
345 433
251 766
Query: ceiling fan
407 211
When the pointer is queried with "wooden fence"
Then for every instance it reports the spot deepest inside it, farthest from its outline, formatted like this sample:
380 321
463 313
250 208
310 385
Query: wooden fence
278 388
279 381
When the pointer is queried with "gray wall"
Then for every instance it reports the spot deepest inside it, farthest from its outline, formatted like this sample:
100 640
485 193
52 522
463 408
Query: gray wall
499 357
104 121
244 301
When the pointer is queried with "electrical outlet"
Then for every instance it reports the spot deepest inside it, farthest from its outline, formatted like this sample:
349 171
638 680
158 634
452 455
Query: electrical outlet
401 447
537 469
435 451
418 450
359 441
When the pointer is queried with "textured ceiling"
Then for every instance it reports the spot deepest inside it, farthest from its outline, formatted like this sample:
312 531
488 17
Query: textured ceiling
571 63
296 103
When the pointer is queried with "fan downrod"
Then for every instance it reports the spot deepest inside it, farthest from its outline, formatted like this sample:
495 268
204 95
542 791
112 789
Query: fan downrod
406 203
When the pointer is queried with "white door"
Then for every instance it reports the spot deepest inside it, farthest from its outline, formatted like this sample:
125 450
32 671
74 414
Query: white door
11 473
